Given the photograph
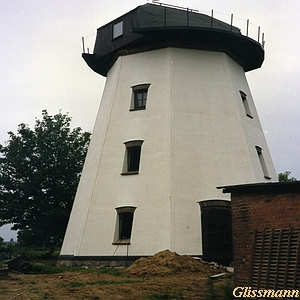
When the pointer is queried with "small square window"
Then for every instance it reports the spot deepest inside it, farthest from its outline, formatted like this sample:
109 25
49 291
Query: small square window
117 29
246 104
139 96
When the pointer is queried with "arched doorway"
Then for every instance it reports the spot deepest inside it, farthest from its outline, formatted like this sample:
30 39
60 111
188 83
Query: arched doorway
216 231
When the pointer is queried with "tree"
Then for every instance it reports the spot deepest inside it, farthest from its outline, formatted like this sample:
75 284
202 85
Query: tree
39 174
284 177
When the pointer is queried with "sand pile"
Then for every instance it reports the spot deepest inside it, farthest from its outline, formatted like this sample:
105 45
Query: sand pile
166 263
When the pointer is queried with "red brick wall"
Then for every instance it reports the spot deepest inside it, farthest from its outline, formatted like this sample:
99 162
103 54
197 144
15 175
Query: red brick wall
257 211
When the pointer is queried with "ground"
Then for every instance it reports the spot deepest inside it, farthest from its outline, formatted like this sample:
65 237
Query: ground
167 275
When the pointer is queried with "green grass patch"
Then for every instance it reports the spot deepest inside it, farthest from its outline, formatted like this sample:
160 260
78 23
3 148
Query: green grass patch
100 282
49 269
111 271
45 268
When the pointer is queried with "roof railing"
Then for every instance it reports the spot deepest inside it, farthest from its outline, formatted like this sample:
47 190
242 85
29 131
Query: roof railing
245 27
157 2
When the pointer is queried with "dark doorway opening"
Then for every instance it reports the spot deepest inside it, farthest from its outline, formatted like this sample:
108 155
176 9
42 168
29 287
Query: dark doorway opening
216 231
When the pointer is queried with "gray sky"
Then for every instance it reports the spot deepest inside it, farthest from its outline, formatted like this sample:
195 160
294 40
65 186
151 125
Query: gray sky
42 68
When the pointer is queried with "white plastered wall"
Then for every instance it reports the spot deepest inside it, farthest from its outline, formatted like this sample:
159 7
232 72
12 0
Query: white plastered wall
196 137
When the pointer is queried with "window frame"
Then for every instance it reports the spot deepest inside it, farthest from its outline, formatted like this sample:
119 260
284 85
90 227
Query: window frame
117 29
131 146
246 104
138 89
262 162
120 223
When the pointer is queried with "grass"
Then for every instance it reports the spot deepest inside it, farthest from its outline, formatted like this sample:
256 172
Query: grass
227 289
45 268
42 253
111 271
49 269
100 282
44 295
166 296
223 291
211 293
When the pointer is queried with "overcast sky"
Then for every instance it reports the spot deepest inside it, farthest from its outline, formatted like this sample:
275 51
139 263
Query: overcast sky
42 68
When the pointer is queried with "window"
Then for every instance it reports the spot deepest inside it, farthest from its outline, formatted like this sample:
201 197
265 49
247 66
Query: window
139 96
246 104
124 225
262 162
117 29
132 157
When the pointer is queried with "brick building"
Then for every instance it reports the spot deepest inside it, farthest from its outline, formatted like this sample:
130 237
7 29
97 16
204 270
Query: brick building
266 234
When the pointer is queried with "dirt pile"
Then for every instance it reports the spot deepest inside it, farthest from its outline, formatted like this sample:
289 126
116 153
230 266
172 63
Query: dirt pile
166 275
167 263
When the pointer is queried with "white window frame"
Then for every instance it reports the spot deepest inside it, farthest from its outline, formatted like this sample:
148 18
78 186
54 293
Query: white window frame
262 162
121 213
136 89
246 104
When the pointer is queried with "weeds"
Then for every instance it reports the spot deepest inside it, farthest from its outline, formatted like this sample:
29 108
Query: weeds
223 291
211 293
227 289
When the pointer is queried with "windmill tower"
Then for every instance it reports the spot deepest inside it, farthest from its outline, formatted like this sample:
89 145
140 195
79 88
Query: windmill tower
176 120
